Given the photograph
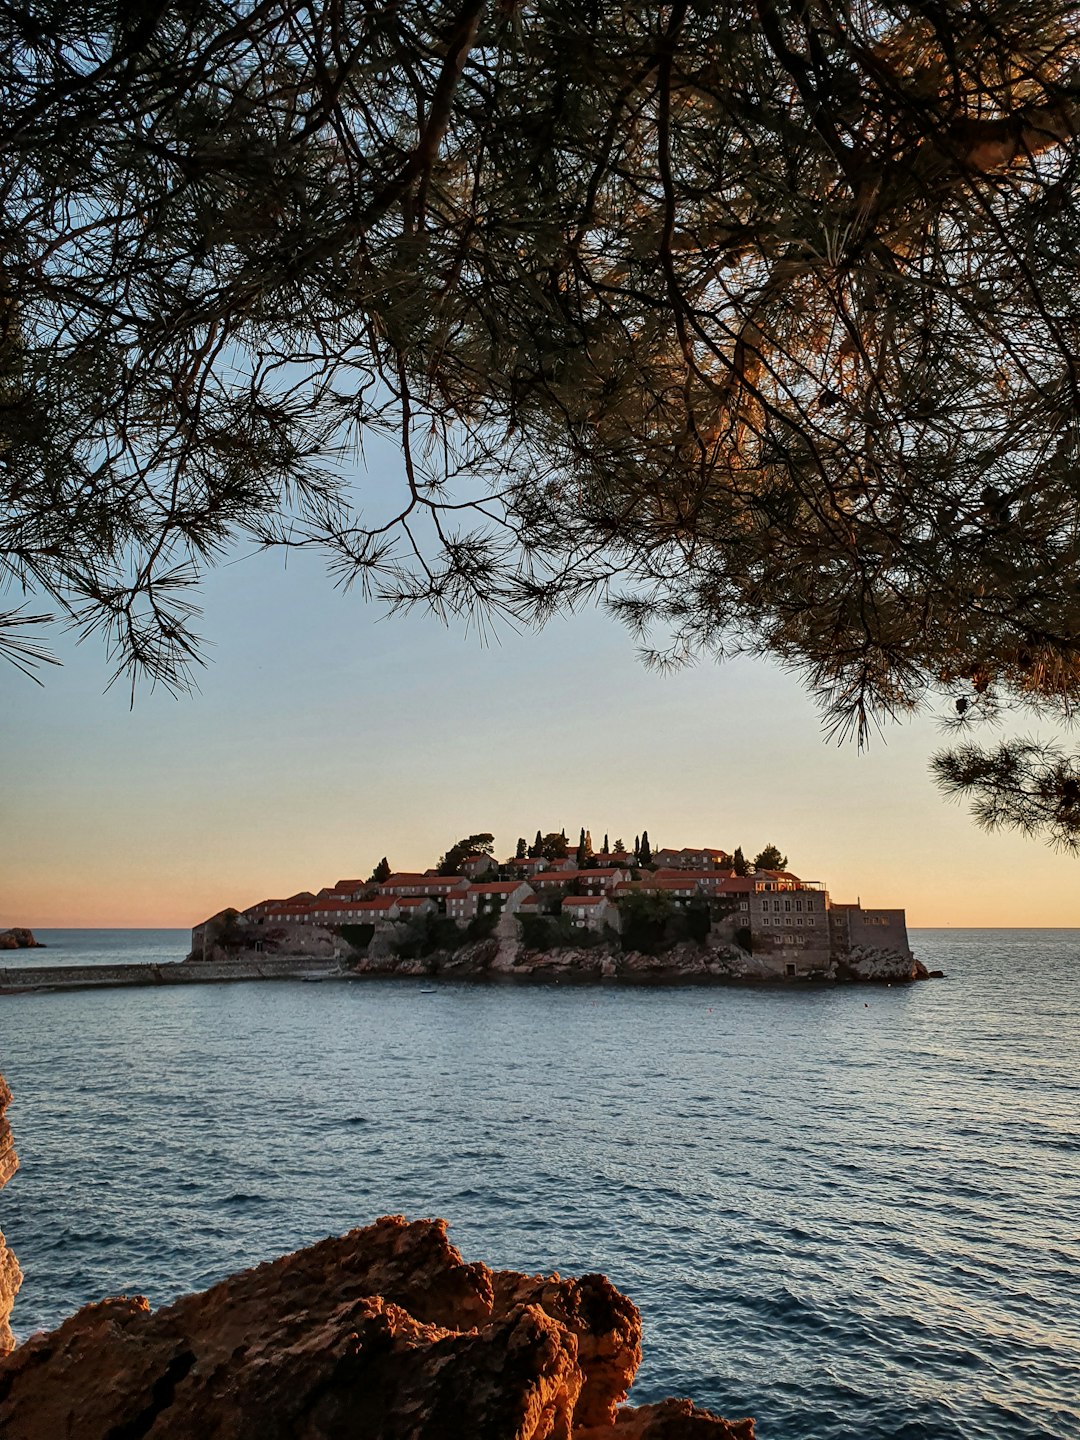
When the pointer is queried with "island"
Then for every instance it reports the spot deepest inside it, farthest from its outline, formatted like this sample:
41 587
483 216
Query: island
668 915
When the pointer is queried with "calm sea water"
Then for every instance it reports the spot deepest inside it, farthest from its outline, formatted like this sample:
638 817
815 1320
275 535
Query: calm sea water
852 1213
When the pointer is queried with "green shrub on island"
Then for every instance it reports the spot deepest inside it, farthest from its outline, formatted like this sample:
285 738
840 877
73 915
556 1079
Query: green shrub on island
480 927
425 934
559 932
651 924
356 936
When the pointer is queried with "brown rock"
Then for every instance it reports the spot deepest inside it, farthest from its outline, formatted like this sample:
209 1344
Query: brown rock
10 1274
670 1420
19 939
384 1333
607 1326
364 1367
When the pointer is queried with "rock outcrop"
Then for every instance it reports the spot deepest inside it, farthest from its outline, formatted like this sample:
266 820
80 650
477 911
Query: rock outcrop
10 1274
383 1333
893 967
19 939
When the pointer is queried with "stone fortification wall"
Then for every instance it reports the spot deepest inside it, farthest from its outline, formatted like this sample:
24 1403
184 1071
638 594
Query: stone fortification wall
189 972
879 930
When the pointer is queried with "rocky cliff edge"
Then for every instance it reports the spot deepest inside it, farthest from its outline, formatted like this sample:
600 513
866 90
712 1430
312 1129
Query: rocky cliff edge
10 1274
384 1333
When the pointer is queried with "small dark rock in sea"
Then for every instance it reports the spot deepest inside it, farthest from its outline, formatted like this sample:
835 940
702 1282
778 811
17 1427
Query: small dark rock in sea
19 939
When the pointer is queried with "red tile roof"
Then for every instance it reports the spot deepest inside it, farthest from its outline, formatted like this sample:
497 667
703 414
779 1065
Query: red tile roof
405 879
573 900
495 887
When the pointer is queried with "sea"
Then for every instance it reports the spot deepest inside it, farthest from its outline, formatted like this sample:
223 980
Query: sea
850 1212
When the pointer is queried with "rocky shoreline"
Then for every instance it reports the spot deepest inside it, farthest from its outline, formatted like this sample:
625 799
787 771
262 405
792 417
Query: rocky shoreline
384 1332
486 961
687 963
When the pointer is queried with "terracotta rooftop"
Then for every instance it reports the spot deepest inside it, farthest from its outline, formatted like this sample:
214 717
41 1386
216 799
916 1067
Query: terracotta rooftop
495 887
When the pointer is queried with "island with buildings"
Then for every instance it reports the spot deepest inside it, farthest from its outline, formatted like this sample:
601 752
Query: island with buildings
551 911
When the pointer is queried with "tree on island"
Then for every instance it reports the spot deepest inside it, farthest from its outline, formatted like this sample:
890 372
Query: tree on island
607 847
554 847
620 848
382 872
770 859
644 849
768 337
522 848
536 849
739 862
582 854
452 861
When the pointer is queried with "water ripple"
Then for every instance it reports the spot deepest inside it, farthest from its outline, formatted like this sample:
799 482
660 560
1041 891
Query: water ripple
852 1215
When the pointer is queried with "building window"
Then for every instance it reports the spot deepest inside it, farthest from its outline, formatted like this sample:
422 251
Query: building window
809 904
799 921
776 904
798 904
787 919
787 904
811 921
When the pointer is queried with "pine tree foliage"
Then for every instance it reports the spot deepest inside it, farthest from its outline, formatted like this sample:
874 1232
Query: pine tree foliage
382 871
757 320
771 858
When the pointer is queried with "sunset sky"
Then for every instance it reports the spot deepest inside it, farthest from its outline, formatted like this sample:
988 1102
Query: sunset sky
325 735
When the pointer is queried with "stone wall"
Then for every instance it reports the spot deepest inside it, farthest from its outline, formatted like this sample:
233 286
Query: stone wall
10 1274
188 972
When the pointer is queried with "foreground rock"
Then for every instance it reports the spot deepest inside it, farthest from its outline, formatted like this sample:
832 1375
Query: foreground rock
10 1274
384 1333
19 939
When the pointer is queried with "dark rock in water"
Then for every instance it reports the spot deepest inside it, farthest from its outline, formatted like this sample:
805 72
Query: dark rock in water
935 974
383 1333
19 939
10 1274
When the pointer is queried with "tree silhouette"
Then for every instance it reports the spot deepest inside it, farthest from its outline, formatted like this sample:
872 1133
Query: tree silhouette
757 319
770 859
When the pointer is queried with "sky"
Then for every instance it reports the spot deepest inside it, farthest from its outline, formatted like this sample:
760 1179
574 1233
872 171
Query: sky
326 735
